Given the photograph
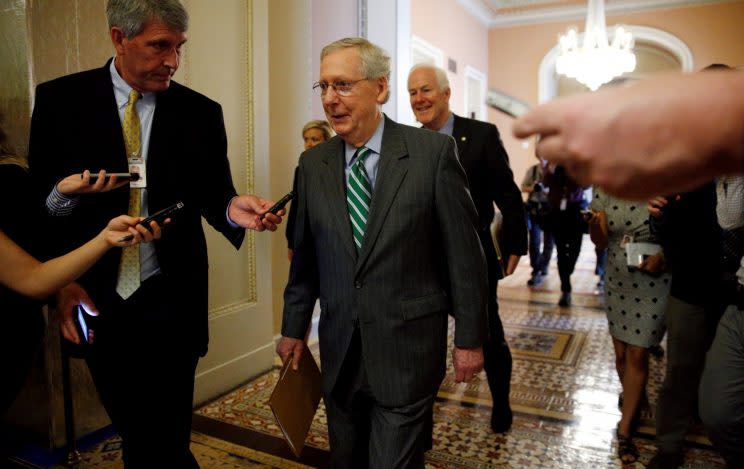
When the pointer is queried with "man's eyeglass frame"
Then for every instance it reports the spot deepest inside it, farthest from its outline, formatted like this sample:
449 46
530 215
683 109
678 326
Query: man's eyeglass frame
342 88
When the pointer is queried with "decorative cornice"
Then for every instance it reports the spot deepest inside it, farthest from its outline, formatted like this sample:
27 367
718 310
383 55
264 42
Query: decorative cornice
488 17
479 10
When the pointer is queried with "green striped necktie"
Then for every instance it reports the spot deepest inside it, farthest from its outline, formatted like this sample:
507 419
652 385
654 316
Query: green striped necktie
359 195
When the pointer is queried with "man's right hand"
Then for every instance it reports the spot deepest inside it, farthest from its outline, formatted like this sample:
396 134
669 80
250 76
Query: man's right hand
76 185
67 298
289 347
467 362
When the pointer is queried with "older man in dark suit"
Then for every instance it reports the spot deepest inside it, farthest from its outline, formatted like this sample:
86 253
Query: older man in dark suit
130 116
386 237
491 180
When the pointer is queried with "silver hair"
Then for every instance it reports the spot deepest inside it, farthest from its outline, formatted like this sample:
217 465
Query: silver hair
375 61
132 15
441 75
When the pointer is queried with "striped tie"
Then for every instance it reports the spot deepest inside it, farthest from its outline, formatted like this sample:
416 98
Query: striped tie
359 195
128 280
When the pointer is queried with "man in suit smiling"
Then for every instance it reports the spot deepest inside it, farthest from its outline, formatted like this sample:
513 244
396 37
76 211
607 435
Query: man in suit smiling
128 115
491 180
386 238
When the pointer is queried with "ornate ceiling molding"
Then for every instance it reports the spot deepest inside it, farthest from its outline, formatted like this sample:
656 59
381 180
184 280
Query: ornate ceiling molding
481 10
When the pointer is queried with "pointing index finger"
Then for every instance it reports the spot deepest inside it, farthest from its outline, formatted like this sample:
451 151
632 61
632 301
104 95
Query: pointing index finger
543 120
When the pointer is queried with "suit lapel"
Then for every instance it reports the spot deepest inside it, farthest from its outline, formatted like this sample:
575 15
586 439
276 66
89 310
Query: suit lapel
390 174
334 190
460 134
106 131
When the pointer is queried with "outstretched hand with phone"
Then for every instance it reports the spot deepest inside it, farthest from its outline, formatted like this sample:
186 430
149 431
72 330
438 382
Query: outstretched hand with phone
78 184
252 212
125 231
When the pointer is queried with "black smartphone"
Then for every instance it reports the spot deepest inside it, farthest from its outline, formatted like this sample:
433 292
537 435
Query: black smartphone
158 217
119 176
281 203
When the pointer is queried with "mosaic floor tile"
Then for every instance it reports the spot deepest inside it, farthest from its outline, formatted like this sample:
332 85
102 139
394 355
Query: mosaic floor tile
210 453
564 390
564 394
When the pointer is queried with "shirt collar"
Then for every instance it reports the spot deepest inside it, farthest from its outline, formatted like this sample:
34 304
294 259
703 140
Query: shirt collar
374 143
122 88
449 125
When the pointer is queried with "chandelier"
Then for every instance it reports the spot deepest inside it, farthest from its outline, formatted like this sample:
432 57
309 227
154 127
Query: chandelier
596 61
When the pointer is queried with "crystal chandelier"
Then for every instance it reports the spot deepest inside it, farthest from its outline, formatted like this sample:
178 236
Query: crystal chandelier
596 61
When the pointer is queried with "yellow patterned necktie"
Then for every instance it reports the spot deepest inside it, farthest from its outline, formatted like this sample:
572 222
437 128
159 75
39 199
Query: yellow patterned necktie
129 270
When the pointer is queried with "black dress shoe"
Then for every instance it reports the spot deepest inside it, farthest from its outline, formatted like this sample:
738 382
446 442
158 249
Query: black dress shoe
565 300
501 420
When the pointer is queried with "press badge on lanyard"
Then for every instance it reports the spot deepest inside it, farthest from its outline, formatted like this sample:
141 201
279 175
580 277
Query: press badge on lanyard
137 166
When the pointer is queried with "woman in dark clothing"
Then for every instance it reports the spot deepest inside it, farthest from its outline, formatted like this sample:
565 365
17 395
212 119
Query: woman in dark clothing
314 133
566 199
24 281
21 315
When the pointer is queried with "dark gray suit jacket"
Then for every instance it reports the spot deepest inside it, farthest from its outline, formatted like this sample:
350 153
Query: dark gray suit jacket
420 260
491 180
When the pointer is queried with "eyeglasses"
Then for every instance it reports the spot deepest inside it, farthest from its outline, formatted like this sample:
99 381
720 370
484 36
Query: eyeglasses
342 88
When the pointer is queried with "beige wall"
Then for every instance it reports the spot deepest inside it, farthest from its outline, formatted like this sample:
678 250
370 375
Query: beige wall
329 20
290 96
68 37
223 45
712 32
446 24
15 108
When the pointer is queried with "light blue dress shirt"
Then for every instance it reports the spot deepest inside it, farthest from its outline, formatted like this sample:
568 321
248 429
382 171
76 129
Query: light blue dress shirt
448 126
371 162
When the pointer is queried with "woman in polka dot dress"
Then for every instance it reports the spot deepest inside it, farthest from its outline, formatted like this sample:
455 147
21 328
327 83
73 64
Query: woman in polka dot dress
635 300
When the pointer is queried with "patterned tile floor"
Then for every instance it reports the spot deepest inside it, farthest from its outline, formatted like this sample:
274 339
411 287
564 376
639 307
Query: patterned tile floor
564 391
564 394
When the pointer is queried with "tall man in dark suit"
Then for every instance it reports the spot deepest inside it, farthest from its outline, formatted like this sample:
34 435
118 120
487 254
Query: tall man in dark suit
386 238
491 180
130 115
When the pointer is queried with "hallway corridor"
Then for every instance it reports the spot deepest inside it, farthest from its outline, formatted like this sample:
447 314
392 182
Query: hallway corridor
564 395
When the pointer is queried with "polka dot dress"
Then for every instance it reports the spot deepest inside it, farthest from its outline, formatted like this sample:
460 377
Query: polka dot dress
635 301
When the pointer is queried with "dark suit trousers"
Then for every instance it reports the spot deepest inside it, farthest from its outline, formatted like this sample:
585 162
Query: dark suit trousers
364 433
497 361
497 356
144 371
568 230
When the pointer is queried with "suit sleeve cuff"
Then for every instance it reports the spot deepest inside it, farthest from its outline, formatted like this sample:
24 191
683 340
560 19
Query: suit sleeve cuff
60 205
227 214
